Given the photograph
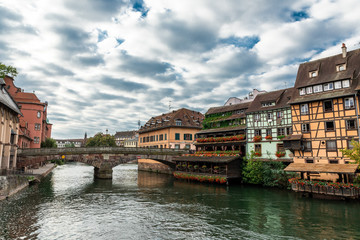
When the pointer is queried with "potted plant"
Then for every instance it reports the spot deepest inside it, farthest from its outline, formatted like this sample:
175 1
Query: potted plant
257 138
280 154
280 137
268 137
196 167
257 154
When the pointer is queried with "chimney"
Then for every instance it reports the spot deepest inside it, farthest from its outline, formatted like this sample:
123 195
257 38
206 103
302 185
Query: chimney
343 48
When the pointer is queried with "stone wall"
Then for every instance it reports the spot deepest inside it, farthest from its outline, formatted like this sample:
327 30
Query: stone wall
10 185
153 166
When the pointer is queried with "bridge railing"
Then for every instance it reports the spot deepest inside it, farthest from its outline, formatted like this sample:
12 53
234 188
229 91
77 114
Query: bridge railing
103 150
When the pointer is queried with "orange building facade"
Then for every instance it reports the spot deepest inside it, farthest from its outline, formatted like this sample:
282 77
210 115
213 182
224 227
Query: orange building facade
34 126
325 117
175 130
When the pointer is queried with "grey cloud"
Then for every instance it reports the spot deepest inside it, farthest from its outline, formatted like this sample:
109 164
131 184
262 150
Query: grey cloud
52 69
74 40
90 61
121 84
7 14
106 96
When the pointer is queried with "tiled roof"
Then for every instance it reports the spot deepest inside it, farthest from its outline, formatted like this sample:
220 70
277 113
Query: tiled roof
327 72
188 118
8 101
229 108
125 134
322 168
26 97
280 97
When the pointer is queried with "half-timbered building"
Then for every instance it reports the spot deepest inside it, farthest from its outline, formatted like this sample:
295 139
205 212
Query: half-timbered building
268 121
325 116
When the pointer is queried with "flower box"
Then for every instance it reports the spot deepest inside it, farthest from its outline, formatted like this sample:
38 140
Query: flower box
280 154
257 154
268 137
323 190
257 138
280 137
301 187
294 186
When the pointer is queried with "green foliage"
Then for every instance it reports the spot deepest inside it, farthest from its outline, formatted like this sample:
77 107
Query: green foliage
216 118
70 145
7 70
101 140
354 153
49 143
57 161
270 174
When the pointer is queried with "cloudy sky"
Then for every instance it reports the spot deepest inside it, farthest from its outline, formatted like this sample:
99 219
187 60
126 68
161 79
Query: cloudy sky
106 64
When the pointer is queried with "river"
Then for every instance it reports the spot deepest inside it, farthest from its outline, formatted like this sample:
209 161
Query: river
70 204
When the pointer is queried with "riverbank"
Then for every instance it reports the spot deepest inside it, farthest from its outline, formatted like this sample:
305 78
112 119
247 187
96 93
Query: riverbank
12 184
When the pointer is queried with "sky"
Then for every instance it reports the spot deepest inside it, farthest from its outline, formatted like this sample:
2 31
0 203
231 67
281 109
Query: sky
109 64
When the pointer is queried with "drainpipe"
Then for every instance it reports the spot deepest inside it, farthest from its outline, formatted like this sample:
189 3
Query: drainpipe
357 115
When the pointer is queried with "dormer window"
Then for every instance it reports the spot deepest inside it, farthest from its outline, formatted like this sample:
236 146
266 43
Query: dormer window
346 83
313 74
178 122
302 91
318 88
309 90
328 86
338 85
340 67
268 104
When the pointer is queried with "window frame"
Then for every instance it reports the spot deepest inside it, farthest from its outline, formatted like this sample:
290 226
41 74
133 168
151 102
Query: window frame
257 146
307 127
177 136
351 106
339 85
307 108
329 129
347 125
307 146
324 106
259 131
302 91
318 88
331 149
327 87
345 81
281 131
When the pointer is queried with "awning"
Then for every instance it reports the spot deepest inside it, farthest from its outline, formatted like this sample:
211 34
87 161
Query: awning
206 159
293 137
322 168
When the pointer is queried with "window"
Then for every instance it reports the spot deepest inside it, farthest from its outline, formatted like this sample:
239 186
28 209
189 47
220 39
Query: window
281 131
187 146
309 90
350 124
269 116
350 146
328 86
267 104
257 117
304 109
331 146
161 137
340 67
157 137
307 146
257 132
349 103
328 107
187 136
329 126
309 160
38 114
178 122
289 130
317 88
338 85
279 114
305 127
177 136
37 126
165 137
141 139
177 146
258 148
346 83
36 139
313 74
280 147
302 91
268 132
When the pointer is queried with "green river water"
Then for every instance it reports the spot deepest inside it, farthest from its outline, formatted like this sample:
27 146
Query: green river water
70 204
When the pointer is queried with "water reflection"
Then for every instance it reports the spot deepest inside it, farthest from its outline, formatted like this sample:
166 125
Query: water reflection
71 204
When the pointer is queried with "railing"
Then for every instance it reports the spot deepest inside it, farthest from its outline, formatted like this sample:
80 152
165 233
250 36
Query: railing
327 190
208 170
8 172
95 150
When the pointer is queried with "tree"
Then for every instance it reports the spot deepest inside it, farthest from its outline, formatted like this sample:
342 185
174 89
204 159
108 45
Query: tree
353 153
7 70
101 140
70 145
49 143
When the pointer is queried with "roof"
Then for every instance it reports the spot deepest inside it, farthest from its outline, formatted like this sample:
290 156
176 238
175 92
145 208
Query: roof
321 168
207 159
326 68
8 101
224 129
280 97
125 134
228 108
188 118
293 137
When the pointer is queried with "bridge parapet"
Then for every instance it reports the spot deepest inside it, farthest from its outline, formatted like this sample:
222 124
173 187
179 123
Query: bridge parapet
100 150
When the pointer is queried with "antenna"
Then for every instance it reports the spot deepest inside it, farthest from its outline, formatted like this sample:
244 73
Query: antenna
285 83
170 106
139 123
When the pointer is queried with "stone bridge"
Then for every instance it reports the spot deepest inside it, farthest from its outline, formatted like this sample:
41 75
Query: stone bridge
103 159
